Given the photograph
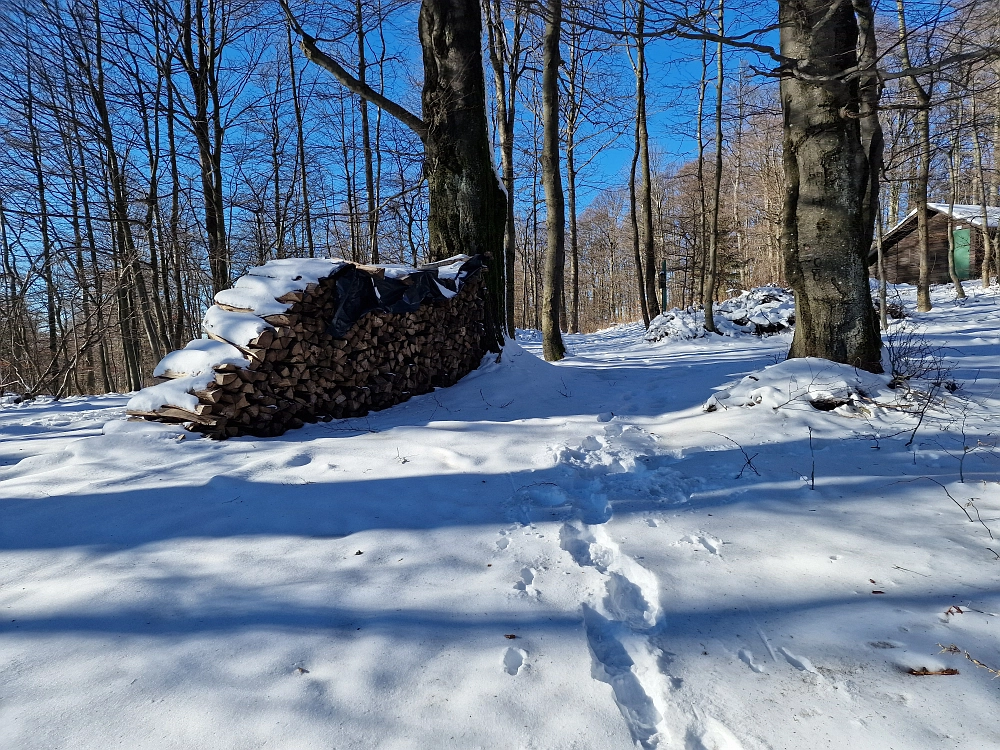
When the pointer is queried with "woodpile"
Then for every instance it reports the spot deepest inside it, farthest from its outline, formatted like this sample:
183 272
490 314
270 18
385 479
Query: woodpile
294 371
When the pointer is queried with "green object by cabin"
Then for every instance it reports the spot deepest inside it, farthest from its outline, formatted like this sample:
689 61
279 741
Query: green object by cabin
963 241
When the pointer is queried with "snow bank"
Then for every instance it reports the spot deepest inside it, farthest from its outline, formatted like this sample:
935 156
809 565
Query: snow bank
760 311
825 385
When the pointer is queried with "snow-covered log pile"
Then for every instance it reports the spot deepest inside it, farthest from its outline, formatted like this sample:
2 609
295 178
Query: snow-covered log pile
301 340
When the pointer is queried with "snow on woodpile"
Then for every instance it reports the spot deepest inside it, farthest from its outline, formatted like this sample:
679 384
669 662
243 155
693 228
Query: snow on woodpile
760 311
298 340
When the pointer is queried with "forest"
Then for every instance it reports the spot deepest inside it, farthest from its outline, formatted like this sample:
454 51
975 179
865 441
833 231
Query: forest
153 150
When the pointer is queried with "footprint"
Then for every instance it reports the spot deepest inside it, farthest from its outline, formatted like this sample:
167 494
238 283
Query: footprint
590 443
799 662
527 581
300 459
513 660
633 592
710 543
651 523
613 665
711 734
746 656
503 542
625 600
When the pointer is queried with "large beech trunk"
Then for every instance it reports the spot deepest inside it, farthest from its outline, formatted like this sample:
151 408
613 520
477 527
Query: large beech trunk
467 206
826 222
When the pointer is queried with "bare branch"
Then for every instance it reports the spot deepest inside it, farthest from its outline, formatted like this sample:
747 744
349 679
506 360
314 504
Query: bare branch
314 54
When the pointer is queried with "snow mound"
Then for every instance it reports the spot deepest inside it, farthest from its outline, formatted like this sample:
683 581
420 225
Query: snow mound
760 311
676 324
824 385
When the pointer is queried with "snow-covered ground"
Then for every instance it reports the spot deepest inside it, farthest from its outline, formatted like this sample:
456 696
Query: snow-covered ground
543 556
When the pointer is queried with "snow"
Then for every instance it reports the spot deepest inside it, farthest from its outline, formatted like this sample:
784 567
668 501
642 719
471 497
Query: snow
237 328
759 311
959 212
258 291
451 270
178 392
395 270
199 356
972 214
744 578
808 382
304 271
257 294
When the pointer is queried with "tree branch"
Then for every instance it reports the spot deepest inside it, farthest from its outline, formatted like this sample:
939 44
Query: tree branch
314 54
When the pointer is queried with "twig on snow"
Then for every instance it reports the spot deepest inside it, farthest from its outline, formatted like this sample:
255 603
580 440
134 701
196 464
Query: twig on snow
953 649
748 463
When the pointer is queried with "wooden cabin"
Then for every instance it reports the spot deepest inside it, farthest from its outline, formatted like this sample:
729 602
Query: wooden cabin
900 244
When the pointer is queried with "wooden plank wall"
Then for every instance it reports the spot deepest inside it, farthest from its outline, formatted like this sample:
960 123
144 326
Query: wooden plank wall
902 259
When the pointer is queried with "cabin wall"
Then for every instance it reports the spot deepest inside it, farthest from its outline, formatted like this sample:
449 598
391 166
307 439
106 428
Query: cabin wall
902 258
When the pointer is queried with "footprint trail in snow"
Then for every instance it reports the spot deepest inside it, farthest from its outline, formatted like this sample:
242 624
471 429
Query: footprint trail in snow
620 470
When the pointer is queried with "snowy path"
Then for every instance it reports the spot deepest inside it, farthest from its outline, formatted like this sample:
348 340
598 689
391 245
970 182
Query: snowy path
354 584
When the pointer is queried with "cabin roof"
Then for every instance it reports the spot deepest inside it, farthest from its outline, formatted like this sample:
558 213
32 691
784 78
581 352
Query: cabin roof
959 212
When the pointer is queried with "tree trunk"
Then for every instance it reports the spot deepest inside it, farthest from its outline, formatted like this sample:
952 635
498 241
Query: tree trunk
199 53
43 222
506 60
366 139
555 212
984 193
634 219
300 140
826 169
713 232
573 107
702 245
467 205
919 197
954 159
646 194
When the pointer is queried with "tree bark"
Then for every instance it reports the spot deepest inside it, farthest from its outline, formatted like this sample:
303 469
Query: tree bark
713 236
506 58
954 159
200 52
634 219
467 203
825 238
468 208
984 193
919 199
555 212
366 139
300 141
646 194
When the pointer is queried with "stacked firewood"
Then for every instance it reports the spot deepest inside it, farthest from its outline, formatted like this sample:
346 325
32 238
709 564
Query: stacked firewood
295 371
